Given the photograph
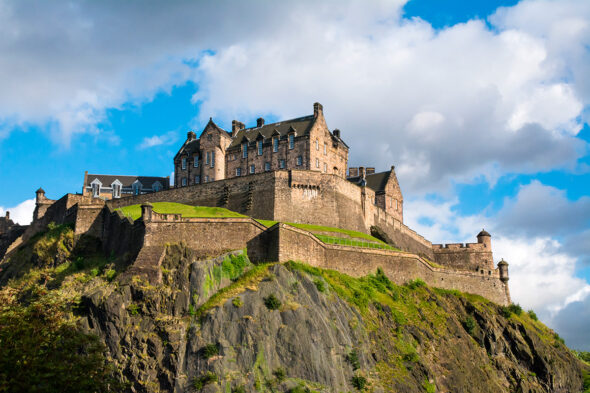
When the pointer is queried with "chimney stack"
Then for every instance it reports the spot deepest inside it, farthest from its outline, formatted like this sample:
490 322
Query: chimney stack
353 172
259 122
337 133
7 215
235 127
370 170
318 109
191 136
362 172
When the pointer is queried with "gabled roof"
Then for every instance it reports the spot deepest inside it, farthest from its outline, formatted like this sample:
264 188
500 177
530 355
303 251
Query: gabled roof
375 181
190 148
127 181
300 126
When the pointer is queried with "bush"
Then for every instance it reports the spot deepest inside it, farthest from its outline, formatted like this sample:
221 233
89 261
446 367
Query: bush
515 309
533 315
191 310
271 302
505 311
279 374
110 274
414 284
558 339
133 309
237 302
469 324
359 382
204 380
239 389
583 355
300 389
353 358
210 350
320 285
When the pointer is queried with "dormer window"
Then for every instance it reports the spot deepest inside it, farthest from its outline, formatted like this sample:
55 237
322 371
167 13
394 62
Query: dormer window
245 150
95 190
137 188
156 186
260 147
184 163
275 144
291 141
116 186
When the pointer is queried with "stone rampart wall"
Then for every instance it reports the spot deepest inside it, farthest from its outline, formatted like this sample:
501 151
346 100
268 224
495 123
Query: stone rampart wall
469 256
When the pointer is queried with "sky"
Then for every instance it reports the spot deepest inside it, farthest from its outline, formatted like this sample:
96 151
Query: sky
483 107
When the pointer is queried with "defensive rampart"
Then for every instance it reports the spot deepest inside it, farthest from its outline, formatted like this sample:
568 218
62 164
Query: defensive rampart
294 196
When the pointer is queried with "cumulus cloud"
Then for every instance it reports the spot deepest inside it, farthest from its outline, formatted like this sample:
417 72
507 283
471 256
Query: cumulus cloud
158 140
21 213
572 323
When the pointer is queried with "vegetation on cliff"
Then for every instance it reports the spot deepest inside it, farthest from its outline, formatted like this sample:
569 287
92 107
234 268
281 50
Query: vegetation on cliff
226 325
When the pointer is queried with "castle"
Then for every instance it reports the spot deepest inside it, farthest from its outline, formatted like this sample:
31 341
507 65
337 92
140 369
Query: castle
292 171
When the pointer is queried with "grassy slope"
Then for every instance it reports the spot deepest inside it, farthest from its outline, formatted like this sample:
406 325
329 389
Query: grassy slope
134 211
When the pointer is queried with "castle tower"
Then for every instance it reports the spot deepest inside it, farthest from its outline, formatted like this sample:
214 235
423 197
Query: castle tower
503 266
485 238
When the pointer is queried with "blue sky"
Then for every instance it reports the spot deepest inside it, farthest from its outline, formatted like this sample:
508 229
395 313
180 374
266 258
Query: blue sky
482 106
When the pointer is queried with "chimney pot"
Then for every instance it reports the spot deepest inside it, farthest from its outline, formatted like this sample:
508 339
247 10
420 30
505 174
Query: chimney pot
190 136
259 122
337 133
317 109
362 171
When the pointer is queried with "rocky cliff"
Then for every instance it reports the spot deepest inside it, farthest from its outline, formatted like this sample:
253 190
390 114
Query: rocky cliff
221 324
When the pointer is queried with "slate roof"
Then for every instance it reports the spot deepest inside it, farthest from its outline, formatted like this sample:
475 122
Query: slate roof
483 233
192 147
375 181
300 126
127 181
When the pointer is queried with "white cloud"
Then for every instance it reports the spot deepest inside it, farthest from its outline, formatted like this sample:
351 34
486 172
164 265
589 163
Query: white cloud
21 213
158 140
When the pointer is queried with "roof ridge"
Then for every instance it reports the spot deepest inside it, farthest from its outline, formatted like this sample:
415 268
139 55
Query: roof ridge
279 122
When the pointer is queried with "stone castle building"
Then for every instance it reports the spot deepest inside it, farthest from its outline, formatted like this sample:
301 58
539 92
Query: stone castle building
293 171
117 186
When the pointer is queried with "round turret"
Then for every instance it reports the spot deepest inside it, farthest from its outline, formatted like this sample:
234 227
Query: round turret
485 238
503 266
40 195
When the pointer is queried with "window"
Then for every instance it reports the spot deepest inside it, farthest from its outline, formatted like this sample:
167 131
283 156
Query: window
252 169
197 179
183 183
282 164
136 189
206 179
299 160
275 144
291 141
317 144
184 163
95 190
156 187
260 147
196 161
245 150
317 162
207 158
325 148
267 166
116 190
396 204
212 159
325 167
238 171
389 201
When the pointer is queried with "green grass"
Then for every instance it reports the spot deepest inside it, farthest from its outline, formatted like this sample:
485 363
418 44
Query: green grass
134 211
337 235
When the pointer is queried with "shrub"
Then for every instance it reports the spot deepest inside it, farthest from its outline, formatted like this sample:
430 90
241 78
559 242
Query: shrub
533 315
210 350
515 309
583 355
239 389
429 387
353 358
110 274
505 311
300 389
414 284
237 302
191 310
279 374
558 338
271 302
469 324
133 309
204 380
320 285
359 382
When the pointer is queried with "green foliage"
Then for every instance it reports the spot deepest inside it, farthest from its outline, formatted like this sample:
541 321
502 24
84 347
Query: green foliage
42 349
300 389
320 285
239 389
469 324
515 309
429 387
353 242
583 356
558 339
233 266
359 382
191 310
533 315
353 358
110 274
272 302
279 374
586 376
237 302
414 284
133 309
209 350
204 380
505 311
134 211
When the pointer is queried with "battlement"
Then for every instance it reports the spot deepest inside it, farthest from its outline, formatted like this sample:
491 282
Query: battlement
457 246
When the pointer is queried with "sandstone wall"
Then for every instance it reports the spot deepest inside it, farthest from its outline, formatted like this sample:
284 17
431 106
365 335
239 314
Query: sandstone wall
469 256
